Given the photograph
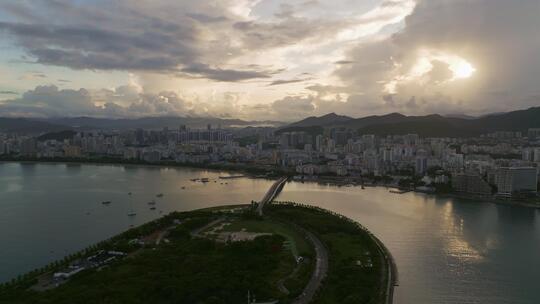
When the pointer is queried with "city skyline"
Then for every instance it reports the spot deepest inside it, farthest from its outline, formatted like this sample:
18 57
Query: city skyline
267 60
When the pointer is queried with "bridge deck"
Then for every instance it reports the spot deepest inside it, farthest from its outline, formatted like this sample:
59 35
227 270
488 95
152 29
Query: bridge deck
272 193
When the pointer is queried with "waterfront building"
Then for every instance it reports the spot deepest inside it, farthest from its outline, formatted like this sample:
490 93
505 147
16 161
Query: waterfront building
516 180
470 183
72 151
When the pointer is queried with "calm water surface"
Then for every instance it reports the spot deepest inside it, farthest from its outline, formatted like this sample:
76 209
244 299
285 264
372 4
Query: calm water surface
447 251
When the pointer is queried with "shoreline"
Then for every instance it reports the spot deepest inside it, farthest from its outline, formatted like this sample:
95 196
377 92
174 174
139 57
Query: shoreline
142 165
464 198
392 276
323 180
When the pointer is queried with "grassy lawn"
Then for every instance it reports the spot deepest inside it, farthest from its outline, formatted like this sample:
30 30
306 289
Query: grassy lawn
298 244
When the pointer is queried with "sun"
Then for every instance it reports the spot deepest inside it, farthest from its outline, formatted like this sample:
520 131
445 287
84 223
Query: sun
462 70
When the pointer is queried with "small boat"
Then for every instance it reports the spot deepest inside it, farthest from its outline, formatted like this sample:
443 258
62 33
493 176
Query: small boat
159 195
106 202
152 203
205 180
129 193
152 208
132 214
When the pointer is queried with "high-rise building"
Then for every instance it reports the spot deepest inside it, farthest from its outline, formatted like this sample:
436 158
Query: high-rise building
421 165
514 179
470 183
319 143
72 151
29 147
527 154
139 136
533 134
536 153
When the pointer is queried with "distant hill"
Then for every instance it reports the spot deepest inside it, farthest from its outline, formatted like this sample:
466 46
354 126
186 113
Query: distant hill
464 116
28 126
326 120
434 125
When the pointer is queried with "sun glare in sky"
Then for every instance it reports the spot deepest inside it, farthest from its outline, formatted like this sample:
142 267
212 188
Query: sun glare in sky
462 70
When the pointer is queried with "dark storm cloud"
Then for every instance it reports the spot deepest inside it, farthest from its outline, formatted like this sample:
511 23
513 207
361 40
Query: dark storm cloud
95 48
165 37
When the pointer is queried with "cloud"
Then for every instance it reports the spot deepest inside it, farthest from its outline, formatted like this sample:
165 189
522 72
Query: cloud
174 38
49 101
344 62
181 38
293 107
447 59
288 81
33 76
126 101
81 47
226 75
211 57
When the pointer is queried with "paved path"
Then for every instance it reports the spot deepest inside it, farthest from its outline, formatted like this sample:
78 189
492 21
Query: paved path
321 269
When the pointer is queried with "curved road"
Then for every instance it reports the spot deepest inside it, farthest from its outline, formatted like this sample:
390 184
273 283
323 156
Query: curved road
321 269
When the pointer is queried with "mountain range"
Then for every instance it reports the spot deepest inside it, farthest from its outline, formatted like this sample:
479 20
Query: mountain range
428 126
433 125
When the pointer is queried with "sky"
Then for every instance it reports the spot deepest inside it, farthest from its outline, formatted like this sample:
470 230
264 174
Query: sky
267 59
